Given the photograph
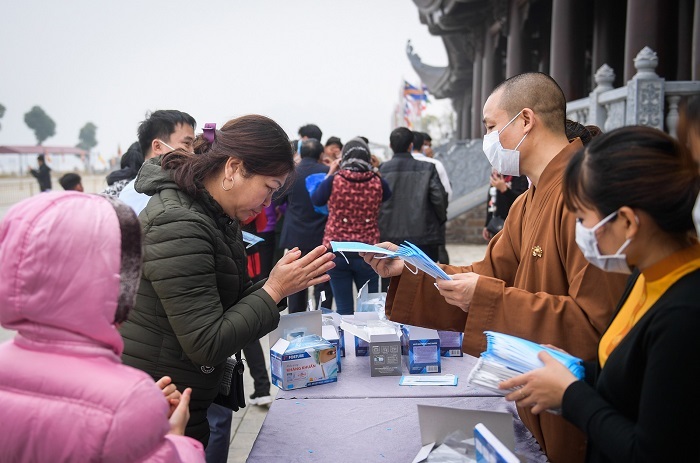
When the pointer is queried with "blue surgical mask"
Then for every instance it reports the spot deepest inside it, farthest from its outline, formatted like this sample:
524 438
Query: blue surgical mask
505 161
588 243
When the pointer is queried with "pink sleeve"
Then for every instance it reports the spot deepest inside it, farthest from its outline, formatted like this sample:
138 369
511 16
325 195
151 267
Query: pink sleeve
140 427
188 449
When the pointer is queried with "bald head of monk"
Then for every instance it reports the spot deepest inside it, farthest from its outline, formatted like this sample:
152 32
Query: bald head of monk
529 111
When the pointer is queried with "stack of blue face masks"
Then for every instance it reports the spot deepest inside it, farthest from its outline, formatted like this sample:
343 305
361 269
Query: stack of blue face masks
303 343
508 356
407 251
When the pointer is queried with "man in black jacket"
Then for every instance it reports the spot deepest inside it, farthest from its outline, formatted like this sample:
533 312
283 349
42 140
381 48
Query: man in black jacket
418 205
304 227
42 174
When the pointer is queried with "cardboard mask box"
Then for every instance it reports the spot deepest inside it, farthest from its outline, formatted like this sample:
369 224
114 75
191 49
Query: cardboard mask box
381 340
436 423
332 318
423 350
490 448
313 364
361 347
451 343
404 340
330 334
385 357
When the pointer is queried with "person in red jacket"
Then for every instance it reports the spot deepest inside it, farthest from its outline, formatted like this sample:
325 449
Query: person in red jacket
353 193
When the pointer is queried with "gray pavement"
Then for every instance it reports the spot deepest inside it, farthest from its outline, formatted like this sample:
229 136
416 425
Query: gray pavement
248 421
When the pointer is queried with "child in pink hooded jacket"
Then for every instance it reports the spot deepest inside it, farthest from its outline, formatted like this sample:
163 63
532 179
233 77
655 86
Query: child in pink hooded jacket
69 269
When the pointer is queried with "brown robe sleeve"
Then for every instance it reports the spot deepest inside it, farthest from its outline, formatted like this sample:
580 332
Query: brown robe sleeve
558 299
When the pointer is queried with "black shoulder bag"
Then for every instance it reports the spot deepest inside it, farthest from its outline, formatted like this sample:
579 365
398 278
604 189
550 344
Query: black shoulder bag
495 224
231 394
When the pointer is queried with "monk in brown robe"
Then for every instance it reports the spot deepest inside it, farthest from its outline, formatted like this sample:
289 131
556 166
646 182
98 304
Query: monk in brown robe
534 282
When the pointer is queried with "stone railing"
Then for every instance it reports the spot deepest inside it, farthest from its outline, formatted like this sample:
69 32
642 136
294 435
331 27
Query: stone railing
647 99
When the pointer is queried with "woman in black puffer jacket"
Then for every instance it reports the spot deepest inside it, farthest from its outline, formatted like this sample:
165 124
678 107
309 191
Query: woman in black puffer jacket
196 305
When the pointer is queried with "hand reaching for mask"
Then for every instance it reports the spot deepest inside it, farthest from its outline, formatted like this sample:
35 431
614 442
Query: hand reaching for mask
459 290
293 273
384 266
542 388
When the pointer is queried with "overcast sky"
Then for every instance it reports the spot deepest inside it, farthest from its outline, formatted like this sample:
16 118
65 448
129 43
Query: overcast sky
337 64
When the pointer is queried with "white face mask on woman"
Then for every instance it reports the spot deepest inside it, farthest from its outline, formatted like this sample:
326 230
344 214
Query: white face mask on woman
588 243
505 161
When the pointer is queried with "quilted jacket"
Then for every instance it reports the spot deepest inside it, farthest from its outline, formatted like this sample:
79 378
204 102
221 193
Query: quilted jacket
196 305
418 205
65 395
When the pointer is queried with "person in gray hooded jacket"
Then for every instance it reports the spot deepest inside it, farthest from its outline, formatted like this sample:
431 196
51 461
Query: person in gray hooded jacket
196 305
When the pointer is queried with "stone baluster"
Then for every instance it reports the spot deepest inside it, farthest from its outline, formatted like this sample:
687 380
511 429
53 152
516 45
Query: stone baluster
604 78
672 116
645 92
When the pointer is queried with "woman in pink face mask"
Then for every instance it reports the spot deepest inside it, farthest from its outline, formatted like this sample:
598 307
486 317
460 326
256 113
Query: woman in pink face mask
633 191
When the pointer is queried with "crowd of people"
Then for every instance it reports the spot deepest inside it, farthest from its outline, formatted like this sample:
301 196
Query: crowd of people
127 315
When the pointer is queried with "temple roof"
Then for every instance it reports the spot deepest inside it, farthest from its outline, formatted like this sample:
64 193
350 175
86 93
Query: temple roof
448 81
433 77
460 24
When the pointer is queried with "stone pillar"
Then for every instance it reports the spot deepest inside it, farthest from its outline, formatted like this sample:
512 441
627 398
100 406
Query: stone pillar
466 114
477 103
457 107
683 45
604 78
642 30
695 61
488 71
645 92
672 117
608 36
515 54
566 64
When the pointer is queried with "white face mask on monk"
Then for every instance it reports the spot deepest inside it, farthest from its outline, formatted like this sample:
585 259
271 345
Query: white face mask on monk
505 161
588 243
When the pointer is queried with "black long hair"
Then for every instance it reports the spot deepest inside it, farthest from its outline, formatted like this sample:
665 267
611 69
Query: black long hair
639 167
257 141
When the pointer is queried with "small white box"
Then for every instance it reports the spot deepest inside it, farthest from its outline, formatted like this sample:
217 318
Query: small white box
384 343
